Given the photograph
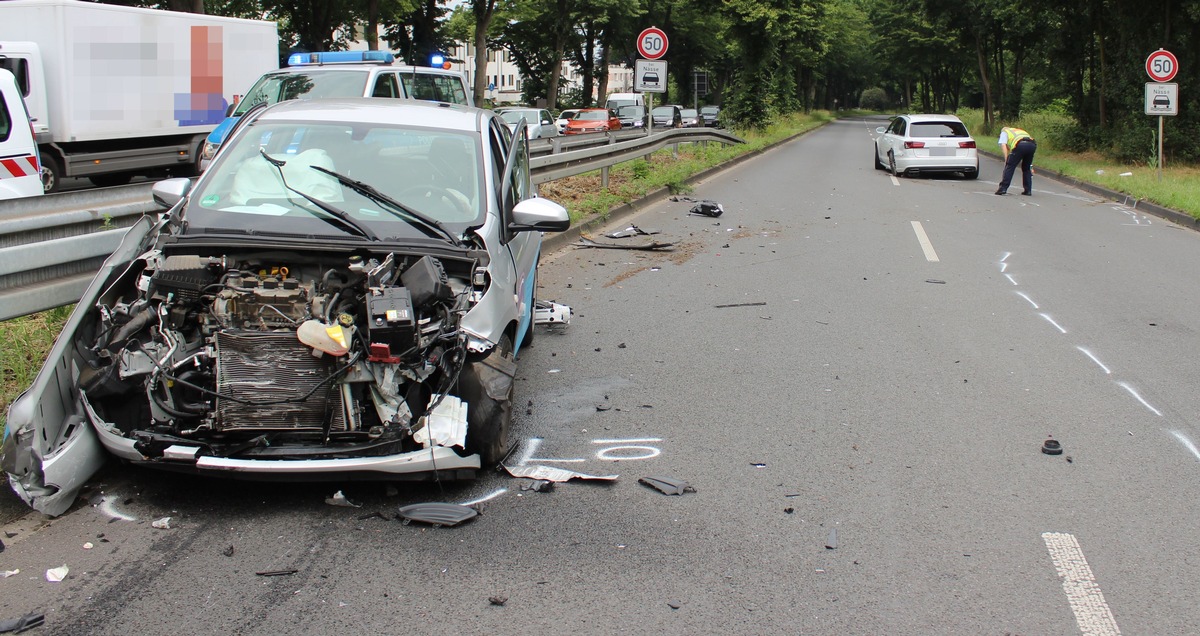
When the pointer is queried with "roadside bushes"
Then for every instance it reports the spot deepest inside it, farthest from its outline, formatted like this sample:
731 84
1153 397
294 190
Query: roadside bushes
874 99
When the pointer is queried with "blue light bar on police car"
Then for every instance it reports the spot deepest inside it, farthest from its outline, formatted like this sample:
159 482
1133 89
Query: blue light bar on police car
340 57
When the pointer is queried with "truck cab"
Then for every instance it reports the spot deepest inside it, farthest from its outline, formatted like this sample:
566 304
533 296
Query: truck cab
20 168
342 74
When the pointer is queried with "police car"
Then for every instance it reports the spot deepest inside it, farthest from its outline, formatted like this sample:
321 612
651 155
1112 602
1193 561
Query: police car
342 74
19 165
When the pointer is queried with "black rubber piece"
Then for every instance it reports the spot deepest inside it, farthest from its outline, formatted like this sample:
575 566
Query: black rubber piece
1052 447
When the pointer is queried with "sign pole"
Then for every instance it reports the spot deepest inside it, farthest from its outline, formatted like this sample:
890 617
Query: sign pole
1160 146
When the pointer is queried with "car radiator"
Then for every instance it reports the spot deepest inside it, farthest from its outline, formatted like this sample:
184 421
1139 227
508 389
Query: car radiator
263 371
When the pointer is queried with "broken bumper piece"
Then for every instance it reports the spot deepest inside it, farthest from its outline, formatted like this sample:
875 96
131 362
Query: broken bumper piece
551 313
420 461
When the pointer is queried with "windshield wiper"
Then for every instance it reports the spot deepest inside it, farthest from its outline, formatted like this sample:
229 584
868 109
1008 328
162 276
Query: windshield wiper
336 216
369 191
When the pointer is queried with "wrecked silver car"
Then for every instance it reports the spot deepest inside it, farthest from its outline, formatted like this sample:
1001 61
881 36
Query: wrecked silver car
340 296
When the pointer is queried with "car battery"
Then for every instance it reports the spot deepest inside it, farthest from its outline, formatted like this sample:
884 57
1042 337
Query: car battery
391 320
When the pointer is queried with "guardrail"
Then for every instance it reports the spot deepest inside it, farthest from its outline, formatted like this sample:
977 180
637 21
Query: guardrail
51 246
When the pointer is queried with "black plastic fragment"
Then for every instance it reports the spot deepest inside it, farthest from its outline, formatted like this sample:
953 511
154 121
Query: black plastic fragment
1052 447
498 600
739 305
438 514
667 485
707 207
277 572
831 541
18 625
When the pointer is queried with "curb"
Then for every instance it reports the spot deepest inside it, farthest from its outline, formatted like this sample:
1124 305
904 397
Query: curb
1175 216
561 240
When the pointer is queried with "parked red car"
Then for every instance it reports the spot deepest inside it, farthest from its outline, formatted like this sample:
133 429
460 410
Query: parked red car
591 120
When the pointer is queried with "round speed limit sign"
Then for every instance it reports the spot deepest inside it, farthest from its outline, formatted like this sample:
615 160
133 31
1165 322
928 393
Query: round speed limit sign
652 43
1161 66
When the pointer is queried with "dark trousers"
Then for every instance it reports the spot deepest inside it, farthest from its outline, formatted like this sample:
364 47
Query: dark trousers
1023 154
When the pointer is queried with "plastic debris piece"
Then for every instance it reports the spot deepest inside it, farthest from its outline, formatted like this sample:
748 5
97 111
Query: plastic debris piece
632 230
162 524
276 573
674 604
538 485
7 573
1 546
23 623
339 499
54 575
228 551
498 601
707 207
739 305
1125 174
1052 447
372 516
667 485
88 546
550 473
935 281
789 510
438 514
653 246
831 540
758 465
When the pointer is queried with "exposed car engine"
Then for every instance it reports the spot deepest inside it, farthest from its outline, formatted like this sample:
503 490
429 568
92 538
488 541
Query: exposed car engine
311 358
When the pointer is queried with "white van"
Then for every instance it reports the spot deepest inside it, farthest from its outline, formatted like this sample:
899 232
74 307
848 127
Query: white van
20 168
617 100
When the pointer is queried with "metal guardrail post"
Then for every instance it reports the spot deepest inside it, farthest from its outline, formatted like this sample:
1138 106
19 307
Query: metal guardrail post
555 145
612 139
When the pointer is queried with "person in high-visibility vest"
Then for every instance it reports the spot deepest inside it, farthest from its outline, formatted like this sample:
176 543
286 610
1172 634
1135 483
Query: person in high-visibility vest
1018 147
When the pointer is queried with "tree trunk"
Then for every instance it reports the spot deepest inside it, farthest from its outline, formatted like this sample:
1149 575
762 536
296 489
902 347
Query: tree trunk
483 10
556 59
372 34
986 84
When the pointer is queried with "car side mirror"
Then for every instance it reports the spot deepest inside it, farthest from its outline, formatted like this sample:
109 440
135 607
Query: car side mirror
539 215
169 192
229 110
881 130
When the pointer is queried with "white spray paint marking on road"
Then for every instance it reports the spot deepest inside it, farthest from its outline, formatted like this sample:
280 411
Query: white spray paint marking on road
636 446
1095 359
1003 267
1187 443
1011 279
1134 393
1141 221
1051 321
1005 257
633 440
107 507
529 450
1028 299
923 239
895 181
1087 601
484 498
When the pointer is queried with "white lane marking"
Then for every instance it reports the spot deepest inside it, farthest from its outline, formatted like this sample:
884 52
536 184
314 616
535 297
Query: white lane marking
1011 279
1027 298
484 498
1005 257
1134 393
895 181
923 239
1095 359
1087 601
1187 443
1051 321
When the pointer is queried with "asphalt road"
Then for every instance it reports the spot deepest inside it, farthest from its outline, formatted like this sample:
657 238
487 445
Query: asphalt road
840 351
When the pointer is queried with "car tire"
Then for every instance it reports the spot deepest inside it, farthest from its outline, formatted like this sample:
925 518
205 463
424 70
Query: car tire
972 174
878 164
892 164
527 341
488 392
52 174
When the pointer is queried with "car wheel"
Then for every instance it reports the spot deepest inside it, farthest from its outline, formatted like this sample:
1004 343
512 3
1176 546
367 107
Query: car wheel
486 386
52 174
972 174
892 163
878 163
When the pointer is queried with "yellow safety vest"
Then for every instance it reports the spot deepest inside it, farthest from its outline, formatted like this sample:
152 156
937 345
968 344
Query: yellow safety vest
1015 135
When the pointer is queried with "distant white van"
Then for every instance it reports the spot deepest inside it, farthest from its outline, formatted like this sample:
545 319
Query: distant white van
20 168
617 100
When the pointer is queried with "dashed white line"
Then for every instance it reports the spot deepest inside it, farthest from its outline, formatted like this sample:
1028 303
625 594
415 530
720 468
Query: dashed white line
1051 321
895 181
1092 613
1134 393
1187 443
1095 359
926 245
1030 300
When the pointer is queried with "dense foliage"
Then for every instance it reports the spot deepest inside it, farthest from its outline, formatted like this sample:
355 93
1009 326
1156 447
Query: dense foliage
766 57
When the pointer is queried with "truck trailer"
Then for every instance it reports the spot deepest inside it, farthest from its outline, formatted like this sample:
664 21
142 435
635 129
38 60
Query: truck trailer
115 92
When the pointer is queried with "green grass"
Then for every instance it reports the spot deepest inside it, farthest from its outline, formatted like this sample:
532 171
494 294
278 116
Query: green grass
26 341
1179 188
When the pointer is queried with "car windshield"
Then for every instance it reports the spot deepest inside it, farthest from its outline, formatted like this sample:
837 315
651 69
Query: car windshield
710 110
514 116
632 111
688 112
592 115
620 103
938 129
433 173
664 110
278 87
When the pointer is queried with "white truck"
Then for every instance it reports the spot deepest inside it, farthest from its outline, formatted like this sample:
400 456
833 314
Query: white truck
114 92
